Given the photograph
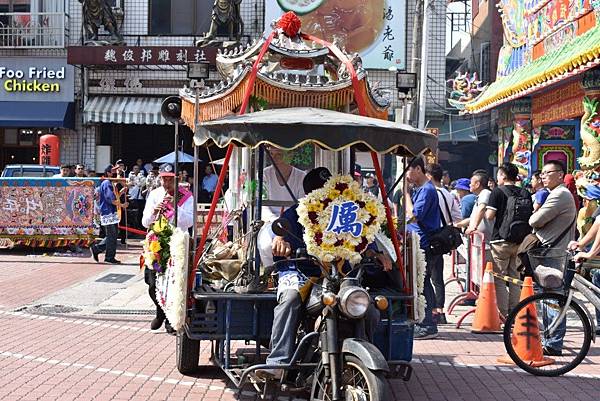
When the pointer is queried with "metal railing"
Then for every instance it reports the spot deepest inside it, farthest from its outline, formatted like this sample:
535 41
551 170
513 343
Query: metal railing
34 30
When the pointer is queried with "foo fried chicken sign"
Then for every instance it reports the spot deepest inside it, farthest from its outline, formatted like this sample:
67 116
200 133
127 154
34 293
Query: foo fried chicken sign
36 79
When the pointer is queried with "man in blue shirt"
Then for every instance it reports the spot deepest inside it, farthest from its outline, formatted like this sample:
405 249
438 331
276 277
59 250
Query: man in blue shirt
109 218
423 216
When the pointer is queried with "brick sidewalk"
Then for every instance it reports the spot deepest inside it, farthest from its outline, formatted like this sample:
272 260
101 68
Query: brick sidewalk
27 275
64 357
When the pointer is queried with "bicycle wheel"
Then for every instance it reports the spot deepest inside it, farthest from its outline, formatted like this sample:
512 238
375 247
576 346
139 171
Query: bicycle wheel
524 328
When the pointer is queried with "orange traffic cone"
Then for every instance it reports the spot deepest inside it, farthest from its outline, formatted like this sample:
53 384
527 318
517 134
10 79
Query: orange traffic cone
487 316
526 333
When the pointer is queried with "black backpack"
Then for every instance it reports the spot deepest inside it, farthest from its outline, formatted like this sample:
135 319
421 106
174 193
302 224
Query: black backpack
519 207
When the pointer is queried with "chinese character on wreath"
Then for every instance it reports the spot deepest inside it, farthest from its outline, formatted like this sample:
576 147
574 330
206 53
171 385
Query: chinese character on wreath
344 219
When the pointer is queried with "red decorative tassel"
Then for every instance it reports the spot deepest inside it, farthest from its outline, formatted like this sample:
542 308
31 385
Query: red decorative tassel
290 24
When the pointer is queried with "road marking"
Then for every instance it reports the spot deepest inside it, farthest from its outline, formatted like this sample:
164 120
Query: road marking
83 321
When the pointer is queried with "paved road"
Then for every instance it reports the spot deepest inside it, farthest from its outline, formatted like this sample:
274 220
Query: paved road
55 346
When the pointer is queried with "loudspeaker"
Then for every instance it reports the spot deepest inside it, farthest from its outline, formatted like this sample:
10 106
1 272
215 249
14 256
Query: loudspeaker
171 109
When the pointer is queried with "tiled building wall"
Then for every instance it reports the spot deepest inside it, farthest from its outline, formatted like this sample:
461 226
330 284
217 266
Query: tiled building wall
436 67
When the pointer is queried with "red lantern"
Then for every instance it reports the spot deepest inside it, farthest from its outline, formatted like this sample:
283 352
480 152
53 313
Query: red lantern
49 150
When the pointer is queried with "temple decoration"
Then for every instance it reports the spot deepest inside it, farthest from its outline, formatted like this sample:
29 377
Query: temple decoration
297 70
465 89
96 14
225 13
545 42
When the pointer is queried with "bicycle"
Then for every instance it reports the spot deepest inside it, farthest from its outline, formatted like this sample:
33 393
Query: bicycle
566 327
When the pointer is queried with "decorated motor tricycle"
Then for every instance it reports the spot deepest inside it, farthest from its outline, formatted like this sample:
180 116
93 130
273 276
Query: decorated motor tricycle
301 93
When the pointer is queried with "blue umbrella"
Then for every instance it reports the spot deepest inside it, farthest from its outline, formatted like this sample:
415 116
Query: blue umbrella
170 158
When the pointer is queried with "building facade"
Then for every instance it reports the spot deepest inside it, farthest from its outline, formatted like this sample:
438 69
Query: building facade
108 106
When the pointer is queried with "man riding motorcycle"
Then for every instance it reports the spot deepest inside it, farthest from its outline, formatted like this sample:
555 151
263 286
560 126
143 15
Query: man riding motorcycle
295 283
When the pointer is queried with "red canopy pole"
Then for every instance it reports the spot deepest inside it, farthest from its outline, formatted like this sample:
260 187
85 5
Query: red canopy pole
360 102
215 198
388 215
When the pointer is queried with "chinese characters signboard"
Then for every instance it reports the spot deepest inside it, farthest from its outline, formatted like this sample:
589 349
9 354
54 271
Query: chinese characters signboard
47 209
376 29
139 55
39 79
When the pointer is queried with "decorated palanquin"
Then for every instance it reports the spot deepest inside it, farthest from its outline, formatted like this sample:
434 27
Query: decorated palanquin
547 89
47 212
300 72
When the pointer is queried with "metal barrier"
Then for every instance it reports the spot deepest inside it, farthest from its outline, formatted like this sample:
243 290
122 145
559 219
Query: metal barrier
475 266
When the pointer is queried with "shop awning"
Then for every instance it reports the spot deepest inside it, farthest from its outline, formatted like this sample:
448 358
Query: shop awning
123 110
37 114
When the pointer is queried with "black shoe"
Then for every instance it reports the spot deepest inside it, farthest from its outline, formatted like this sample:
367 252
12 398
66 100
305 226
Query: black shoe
440 318
156 323
95 253
552 351
112 261
169 329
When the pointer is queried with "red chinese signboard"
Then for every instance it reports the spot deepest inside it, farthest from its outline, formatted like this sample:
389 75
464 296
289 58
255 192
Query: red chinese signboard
559 104
139 55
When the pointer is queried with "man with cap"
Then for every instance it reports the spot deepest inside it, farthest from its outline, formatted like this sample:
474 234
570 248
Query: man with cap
160 202
292 284
107 202
466 198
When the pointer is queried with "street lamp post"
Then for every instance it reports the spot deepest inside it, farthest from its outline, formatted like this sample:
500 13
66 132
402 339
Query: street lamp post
197 73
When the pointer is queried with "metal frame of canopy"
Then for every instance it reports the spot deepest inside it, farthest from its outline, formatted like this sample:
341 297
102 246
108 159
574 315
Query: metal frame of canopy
428 139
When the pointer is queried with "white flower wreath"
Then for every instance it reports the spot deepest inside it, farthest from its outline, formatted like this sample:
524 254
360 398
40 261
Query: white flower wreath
340 220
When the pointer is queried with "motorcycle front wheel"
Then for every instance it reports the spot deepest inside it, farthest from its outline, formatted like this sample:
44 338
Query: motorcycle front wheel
358 383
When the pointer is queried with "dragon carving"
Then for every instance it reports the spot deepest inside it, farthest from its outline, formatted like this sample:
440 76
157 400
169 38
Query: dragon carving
465 89
590 135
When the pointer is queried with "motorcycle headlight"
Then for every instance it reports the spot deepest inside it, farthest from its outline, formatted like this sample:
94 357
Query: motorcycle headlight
354 302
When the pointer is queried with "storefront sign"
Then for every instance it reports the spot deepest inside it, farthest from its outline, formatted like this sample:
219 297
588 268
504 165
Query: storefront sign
139 55
47 209
36 79
559 104
375 29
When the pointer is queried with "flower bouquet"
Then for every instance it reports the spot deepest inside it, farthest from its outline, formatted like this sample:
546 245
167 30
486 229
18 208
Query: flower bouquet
156 253
340 220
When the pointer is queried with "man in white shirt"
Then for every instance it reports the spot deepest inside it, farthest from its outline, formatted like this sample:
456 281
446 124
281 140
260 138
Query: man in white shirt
452 215
160 201
276 190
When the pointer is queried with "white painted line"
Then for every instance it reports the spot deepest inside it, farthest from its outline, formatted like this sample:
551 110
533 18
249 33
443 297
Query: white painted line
53 361
186 383
172 381
103 370
128 374
141 376
116 372
156 379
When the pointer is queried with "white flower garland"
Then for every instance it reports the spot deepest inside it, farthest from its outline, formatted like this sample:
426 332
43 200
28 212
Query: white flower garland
315 212
171 286
420 265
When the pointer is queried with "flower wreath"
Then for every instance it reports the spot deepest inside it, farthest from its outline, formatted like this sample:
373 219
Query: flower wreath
340 220
156 253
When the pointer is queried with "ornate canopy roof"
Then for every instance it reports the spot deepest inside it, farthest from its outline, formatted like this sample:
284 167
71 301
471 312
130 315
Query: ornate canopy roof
293 73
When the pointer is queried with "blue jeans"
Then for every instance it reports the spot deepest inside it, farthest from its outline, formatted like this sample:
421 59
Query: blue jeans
109 242
596 282
549 314
286 318
432 261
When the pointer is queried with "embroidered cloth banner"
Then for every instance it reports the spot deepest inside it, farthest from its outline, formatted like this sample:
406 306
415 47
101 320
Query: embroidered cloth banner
48 211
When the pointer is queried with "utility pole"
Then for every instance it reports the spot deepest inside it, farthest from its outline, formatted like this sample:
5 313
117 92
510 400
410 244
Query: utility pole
423 74
415 55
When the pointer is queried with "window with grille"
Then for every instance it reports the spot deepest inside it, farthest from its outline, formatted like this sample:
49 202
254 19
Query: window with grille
179 17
